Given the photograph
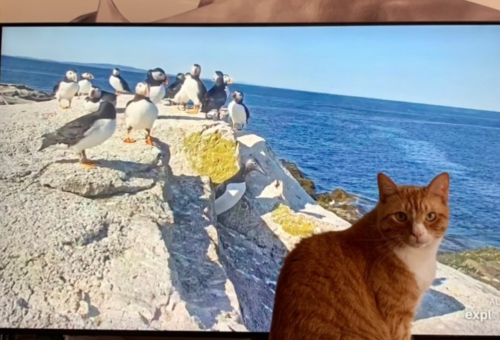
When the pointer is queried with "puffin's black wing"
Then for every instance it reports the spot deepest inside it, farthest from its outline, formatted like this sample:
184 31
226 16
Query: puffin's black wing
149 77
236 178
129 102
124 84
72 132
203 89
220 189
246 111
214 99
173 89
56 87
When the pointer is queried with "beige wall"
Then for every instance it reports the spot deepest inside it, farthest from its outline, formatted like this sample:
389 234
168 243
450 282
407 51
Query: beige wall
44 10
488 3
67 10
134 10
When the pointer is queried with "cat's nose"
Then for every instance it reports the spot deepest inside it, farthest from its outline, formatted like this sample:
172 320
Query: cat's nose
417 231
417 236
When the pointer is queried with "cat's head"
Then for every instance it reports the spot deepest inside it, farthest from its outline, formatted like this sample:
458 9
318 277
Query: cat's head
410 215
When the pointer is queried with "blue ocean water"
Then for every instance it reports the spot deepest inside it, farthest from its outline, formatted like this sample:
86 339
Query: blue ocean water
341 141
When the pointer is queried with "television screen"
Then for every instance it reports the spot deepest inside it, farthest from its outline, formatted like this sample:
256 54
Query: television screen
212 151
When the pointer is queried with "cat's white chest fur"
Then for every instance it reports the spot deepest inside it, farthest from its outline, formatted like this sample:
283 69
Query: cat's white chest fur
421 262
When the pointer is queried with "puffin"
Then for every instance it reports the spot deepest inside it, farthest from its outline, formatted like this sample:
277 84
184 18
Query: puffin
140 113
118 83
85 83
67 88
174 88
85 132
157 81
217 96
229 193
95 97
194 88
238 111
228 80
181 98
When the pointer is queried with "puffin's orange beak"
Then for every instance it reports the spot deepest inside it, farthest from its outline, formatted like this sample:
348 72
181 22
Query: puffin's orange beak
166 80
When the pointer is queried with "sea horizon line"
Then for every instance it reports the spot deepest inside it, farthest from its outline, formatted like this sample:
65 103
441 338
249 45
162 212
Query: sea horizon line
139 70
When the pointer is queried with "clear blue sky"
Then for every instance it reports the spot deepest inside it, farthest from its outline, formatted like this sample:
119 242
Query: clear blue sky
445 65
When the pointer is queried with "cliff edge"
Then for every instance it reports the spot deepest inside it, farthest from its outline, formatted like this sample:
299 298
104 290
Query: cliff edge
135 244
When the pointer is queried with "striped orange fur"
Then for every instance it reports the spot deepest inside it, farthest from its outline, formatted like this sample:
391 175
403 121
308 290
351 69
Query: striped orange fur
365 282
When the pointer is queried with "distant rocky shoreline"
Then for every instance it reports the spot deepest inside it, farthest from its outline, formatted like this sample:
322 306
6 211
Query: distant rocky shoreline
12 94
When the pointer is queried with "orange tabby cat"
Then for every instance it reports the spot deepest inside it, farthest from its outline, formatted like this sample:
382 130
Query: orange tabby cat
365 282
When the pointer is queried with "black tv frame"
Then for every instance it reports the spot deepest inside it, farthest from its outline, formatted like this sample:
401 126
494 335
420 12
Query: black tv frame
9 333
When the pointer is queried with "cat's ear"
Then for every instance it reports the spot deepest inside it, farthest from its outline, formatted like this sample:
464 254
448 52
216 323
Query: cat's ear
386 187
440 186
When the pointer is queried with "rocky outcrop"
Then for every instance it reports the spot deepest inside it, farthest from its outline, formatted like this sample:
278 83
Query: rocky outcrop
339 202
107 248
11 94
135 243
307 184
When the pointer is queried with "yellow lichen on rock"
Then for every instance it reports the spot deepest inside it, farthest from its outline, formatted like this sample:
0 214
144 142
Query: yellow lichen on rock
211 155
292 223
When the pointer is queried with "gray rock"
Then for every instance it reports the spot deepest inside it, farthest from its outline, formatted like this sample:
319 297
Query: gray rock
252 256
127 245
138 172
11 94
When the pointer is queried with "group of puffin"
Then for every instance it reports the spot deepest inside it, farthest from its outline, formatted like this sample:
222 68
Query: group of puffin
142 111
187 87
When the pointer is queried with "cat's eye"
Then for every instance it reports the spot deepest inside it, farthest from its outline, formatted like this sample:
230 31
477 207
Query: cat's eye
400 216
430 216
